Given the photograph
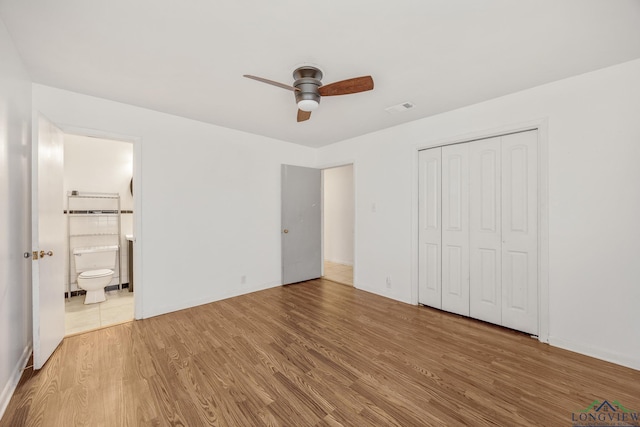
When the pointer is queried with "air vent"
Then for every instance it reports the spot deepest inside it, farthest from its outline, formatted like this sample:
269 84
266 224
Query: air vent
399 108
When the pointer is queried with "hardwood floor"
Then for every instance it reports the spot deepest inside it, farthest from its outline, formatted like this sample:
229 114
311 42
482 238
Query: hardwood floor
313 354
339 273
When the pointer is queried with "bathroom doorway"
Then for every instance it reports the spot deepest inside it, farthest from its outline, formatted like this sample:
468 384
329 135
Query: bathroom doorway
99 208
338 224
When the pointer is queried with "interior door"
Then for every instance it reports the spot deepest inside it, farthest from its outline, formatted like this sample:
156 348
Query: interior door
301 224
48 231
430 234
455 228
520 231
485 230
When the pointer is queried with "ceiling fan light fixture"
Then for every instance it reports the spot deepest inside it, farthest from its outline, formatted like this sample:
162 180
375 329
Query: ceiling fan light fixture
308 104
308 88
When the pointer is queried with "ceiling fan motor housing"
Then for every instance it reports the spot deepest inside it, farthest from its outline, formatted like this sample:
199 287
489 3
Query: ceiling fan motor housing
307 80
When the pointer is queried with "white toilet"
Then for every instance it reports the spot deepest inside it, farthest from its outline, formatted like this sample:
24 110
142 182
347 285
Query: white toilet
95 270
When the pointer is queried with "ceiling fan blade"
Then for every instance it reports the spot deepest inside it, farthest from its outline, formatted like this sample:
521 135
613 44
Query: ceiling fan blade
303 115
271 82
345 87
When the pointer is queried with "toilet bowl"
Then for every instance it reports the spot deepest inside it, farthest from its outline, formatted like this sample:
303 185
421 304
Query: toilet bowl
94 282
94 266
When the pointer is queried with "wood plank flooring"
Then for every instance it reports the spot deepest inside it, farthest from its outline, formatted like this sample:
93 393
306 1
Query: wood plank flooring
339 273
313 354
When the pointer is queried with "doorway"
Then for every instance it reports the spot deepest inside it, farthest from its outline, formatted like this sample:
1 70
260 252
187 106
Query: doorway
102 168
338 197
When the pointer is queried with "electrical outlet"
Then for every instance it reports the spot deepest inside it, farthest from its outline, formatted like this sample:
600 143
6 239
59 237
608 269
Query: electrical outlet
389 282
243 280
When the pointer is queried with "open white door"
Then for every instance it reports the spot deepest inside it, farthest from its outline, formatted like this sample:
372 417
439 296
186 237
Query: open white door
48 231
301 224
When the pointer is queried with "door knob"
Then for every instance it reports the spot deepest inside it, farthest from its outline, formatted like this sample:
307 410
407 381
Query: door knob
43 253
285 231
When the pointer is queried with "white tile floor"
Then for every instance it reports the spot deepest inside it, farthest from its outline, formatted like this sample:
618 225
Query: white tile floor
79 317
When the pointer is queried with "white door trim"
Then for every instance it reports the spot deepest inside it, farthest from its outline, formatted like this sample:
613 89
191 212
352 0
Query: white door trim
138 310
543 208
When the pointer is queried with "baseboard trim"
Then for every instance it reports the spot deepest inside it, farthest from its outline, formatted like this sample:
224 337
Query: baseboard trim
10 387
618 359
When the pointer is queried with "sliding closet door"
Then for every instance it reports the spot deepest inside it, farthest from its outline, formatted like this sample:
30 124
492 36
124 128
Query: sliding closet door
455 228
485 230
430 238
520 232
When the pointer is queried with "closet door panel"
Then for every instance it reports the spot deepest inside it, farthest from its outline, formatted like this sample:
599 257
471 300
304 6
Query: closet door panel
430 234
485 225
455 228
520 232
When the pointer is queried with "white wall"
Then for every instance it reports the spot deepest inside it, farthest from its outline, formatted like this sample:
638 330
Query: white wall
594 202
97 165
338 207
208 200
15 217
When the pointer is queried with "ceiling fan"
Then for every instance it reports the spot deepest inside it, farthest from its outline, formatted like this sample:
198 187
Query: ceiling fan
308 88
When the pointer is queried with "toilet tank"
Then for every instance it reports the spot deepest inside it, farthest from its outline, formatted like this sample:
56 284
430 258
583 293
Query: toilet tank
96 257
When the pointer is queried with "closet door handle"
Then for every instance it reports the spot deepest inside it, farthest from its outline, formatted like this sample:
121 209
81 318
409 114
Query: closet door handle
43 253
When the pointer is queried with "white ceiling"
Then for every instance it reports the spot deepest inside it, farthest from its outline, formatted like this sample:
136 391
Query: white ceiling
187 57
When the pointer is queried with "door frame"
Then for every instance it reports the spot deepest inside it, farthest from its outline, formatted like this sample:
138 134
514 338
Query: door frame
137 204
333 165
541 125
